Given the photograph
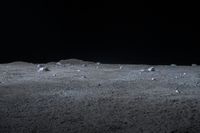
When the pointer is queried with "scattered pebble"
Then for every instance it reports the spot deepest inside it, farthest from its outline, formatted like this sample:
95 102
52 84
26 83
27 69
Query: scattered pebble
197 84
58 63
78 70
84 65
54 75
151 69
40 65
142 70
99 84
83 77
43 69
98 63
182 74
120 67
97 67
176 77
153 79
177 91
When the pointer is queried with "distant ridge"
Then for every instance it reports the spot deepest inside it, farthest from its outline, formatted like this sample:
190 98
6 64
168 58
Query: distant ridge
75 61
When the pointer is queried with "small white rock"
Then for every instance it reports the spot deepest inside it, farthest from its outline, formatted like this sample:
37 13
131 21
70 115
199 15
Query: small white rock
40 65
177 91
142 70
78 70
151 69
54 75
153 79
58 63
43 69
184 74
83 77
84 65
98 63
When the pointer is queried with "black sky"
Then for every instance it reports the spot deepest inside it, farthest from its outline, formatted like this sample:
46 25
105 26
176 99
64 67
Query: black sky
112 32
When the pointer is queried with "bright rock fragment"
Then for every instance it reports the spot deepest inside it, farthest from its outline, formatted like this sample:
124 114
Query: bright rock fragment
43 69
151 69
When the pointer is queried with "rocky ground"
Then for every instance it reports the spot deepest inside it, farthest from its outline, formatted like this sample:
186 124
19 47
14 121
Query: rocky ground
74 96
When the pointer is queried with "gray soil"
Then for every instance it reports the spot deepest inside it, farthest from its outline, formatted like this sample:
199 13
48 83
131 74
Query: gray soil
99 98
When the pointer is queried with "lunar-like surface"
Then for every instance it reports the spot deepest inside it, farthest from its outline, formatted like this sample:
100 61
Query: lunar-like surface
74 96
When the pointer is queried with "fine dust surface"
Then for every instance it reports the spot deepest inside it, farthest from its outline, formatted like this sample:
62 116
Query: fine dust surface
84 97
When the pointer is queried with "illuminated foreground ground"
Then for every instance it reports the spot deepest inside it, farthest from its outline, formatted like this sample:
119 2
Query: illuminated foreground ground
82 97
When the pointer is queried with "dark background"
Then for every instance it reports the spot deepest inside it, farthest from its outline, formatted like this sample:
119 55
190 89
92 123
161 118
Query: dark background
111 32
